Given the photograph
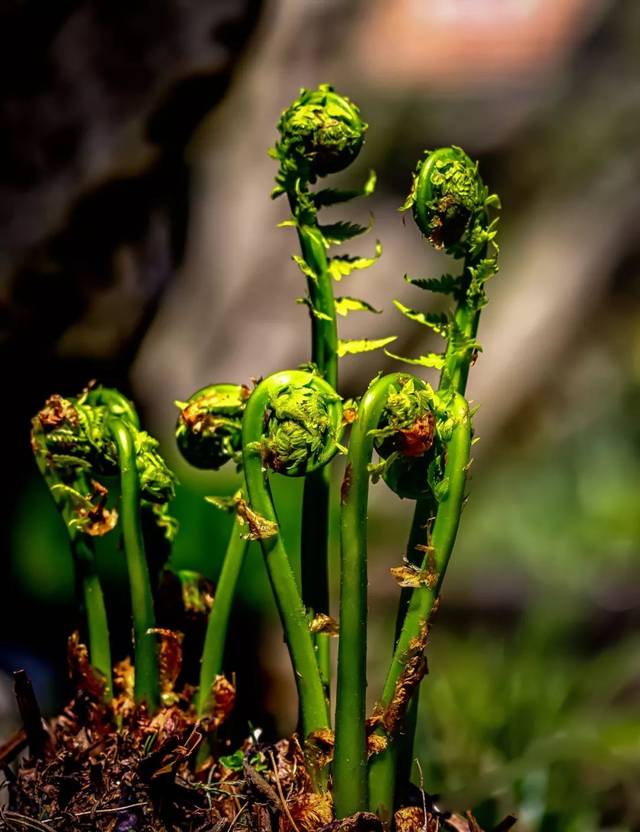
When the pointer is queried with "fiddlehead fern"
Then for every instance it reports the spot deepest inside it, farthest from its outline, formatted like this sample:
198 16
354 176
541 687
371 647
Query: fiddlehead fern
144 477
147 690
60 445
209 434
407 666
397 415
291 425
322 132
451 206
209 429
97 435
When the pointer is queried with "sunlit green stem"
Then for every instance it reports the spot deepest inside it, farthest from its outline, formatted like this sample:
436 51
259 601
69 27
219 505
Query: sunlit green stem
314 559
400 754
316 500
95 610
382 776
215 639
147 688
350 758
313 703
324 331
466 318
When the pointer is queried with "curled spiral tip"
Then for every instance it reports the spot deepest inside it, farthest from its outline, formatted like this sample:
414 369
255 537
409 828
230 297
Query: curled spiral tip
303 423
448 198
407 439
209 427
320 133
71 436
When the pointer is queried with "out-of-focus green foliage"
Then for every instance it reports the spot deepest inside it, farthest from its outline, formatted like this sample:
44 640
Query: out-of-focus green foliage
549 732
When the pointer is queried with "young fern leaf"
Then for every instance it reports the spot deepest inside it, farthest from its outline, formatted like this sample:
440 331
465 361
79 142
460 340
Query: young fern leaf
342 265
339 232
345 305
432 359
353 347
304 267
439 322
446 284
329 196
313 311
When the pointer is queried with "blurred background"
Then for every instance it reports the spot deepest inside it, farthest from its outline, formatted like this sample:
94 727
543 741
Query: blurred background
139 247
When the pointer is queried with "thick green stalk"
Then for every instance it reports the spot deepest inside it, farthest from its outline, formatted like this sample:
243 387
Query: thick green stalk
324 330
466 318
454 376
382 768
95 610
215 639
400 754
316 499
313 703
147 689
350 758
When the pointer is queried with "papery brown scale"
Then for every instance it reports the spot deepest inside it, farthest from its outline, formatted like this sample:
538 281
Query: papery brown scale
169 656
320 745
323 623
223 698
310 811
376 743
412 819
57 411
84 677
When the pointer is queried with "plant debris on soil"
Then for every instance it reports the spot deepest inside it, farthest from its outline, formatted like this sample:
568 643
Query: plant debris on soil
116 768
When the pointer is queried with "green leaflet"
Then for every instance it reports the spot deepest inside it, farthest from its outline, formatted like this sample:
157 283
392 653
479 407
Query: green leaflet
304 267
446 284
353 347
321 316
343 265
345 305
437 321
330 196
432 359
339 232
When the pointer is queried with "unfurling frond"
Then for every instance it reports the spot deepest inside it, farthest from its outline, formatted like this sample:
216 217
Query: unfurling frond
343 265
353 347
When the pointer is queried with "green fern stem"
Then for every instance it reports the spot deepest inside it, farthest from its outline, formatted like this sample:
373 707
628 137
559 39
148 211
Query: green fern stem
317 487
311 692
350 758
218 623
466 317
94 607
147 690
382 769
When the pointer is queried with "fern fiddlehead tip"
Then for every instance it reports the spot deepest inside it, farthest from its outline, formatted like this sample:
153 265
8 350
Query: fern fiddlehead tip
301 428
209 427
321 132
